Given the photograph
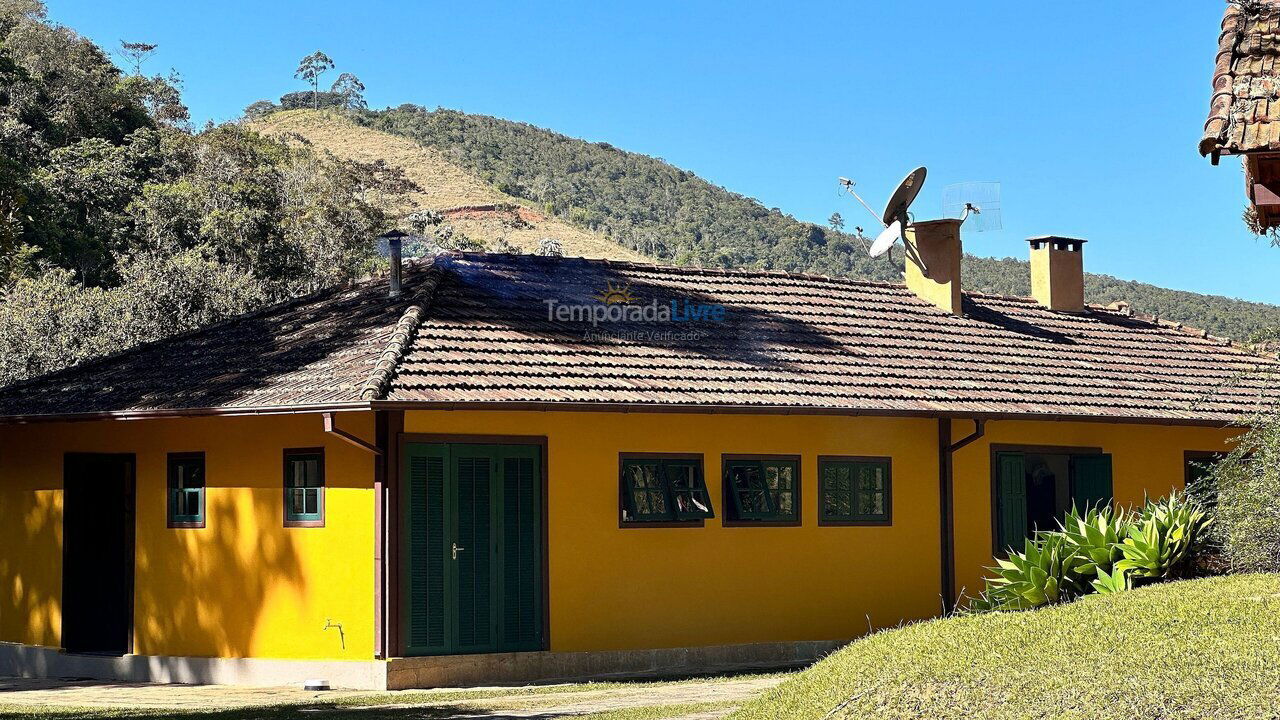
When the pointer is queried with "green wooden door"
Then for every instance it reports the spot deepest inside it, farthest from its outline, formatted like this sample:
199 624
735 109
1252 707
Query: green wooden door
472 570
1091 481
1011 503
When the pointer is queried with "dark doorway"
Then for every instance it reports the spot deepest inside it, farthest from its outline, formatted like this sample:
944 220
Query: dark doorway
97 553
1035 488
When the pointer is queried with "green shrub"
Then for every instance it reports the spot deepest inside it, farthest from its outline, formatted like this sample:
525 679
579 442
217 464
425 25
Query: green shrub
1048 570
1096 536
1102 550
1243 491
1161 542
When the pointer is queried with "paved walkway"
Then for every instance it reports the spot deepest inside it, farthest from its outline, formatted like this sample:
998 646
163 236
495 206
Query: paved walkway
492 704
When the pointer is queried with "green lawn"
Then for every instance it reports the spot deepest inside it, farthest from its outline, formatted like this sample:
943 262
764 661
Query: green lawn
1194 649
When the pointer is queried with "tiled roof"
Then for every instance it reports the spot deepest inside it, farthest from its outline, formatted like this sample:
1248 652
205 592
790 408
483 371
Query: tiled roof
323 349
1244 112
474 330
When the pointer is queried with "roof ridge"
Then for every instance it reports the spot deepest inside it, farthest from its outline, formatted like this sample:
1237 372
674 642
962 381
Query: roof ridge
375 387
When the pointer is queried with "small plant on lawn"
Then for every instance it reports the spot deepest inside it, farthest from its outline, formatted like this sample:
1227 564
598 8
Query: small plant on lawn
1102 550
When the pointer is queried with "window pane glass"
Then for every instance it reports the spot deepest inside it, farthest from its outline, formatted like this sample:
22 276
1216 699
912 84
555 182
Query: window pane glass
686 489
312 497
189 502
746 482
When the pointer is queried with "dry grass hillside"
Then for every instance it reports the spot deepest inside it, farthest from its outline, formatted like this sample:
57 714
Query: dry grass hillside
469 204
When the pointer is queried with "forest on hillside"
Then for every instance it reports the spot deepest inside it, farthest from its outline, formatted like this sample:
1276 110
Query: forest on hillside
120 224
673 215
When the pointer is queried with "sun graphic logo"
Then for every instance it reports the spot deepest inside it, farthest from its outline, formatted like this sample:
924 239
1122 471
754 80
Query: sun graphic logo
616 294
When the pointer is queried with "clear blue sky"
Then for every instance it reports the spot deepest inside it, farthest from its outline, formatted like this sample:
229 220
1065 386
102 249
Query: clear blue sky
1087 112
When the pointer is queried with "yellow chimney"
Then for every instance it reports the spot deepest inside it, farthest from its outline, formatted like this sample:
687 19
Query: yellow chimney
933 262
1057 272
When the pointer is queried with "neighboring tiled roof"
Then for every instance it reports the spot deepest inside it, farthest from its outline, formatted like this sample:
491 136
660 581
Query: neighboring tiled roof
787 342
1244 112
322 349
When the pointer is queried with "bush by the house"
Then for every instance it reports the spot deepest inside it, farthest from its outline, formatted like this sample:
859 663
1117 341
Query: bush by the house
1102 550
1244 491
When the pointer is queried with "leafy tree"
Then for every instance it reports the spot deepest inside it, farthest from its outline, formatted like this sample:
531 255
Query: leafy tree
259 109
349 88
137 53
119 225
310 68
836 222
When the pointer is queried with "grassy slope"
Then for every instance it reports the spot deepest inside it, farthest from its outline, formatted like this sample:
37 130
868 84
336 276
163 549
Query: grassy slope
444 185
1195 649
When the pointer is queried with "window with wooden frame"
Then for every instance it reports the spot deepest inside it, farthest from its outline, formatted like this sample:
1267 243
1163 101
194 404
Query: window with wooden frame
186 488
304 487
761 489
854 491
663 488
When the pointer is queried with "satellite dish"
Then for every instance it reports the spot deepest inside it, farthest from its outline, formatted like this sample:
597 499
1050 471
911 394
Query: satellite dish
886 239
977 204
906 193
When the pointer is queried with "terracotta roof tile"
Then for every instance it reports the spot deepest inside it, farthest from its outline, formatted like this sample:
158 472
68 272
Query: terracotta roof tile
1244 106
474 329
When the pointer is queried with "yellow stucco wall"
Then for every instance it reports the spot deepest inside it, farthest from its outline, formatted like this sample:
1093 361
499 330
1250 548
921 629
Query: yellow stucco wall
614 588
247 586
1145 459
244 585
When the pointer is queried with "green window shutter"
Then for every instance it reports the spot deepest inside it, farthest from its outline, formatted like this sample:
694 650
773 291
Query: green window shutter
763 490
426 614
474 547
1091 480
521 554
748 494
1012 502
687 490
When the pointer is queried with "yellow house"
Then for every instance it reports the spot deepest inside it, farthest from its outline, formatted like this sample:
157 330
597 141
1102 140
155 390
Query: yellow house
508 468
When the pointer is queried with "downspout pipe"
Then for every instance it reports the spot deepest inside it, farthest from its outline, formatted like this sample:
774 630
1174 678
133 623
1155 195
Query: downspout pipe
946 509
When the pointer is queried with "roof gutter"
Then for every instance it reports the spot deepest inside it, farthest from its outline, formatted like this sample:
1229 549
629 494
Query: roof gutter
554 406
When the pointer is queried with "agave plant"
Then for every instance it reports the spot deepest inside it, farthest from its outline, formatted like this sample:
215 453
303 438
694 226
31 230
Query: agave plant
1096 537
1048 570
1160 543
1107 583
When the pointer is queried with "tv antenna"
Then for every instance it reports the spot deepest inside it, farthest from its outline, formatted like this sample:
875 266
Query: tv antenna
975 203
894 218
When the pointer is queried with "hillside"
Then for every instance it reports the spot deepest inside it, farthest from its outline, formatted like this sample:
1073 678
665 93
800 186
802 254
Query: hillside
653 209
473 207
1187 649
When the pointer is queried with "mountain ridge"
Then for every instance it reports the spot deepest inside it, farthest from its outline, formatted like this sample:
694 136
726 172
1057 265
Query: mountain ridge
634 206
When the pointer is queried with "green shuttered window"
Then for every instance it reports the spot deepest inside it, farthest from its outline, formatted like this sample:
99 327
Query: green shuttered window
186 490
304 487
657 488
854 491
762 489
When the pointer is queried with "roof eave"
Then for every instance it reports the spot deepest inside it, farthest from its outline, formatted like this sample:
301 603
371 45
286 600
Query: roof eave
550 406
